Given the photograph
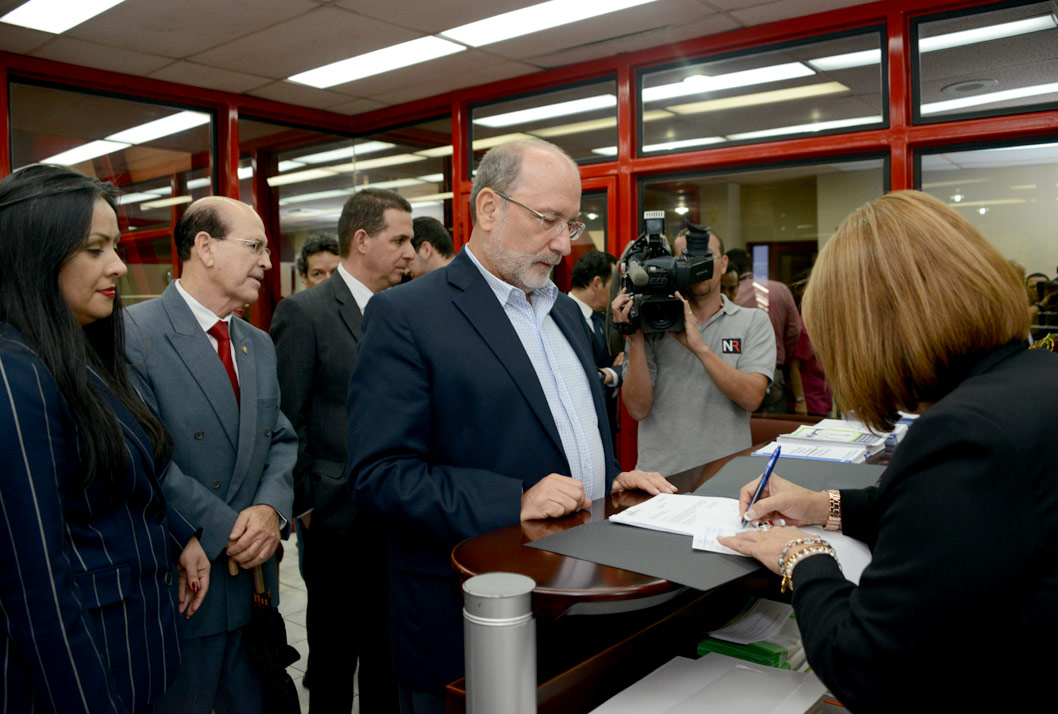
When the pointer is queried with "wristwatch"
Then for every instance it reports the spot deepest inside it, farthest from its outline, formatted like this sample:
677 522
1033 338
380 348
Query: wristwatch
834 515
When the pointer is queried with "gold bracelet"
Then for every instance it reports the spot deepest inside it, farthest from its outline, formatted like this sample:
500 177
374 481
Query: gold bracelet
834 514
789 565
811 540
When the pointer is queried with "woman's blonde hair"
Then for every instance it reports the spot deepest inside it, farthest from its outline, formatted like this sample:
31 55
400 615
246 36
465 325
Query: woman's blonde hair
904 289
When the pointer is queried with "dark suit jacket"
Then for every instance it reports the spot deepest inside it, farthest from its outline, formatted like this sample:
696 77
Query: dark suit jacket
316 333
964 575
87 583
228 455
448 425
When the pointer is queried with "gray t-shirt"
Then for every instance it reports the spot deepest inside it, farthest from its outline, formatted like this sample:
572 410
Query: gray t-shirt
692 422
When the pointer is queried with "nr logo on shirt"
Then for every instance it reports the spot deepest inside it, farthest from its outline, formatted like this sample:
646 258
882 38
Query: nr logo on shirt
731 346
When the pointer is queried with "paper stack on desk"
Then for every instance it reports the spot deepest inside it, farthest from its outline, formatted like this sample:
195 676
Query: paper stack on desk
817 435
715 684
855 454
705 518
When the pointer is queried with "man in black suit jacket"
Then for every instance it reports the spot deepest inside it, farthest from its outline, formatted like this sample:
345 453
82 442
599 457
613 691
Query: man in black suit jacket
474 404
590 289
317 333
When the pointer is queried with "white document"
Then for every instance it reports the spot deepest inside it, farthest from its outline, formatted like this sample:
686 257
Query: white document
761 622
854 454
669 512
721 519
715 684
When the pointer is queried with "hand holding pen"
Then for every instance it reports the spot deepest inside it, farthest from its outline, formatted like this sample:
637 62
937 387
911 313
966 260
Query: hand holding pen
762 484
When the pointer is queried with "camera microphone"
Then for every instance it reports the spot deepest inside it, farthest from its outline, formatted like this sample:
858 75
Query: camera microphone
637 275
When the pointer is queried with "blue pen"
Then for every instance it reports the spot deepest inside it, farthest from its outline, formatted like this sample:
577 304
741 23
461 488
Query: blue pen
763 481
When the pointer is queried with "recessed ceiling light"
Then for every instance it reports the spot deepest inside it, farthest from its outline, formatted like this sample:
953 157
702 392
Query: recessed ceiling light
56 16
127 198
198 183
990 98
244 172
684 144
298 177
804 128
848 60
377 62
158 128
681 210
757 98
368 147
534 19
549 111
700 83
165 202
378 163
986 34
85 152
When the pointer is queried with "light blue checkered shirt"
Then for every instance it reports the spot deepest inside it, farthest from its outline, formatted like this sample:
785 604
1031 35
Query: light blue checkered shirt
561 376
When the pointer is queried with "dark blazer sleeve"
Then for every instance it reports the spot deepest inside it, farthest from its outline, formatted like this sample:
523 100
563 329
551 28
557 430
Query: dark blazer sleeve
928 585
295 342
41 603
393 472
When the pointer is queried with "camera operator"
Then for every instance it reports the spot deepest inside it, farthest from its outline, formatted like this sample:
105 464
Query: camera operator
692 391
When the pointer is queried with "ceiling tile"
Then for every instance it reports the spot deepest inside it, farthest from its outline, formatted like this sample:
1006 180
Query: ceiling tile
89 54
599 29
735 4
199 75
316 38
299 94
357 106
22 41
444 70
787 9
491 72
436 16
180 29
651 38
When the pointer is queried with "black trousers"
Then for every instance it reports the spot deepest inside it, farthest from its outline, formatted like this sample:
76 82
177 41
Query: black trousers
347 619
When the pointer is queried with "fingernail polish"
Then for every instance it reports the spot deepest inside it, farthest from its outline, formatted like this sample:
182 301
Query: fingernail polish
751 516
194 587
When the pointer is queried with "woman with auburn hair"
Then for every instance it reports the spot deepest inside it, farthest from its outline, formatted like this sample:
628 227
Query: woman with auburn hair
911 309
95 568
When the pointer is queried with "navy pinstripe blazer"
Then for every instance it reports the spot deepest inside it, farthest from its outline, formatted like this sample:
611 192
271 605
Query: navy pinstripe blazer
87 582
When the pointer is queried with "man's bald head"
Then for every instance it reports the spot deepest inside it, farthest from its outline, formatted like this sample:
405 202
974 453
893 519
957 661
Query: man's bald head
212 215
501 167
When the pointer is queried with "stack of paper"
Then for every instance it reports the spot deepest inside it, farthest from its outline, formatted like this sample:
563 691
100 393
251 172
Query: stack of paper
707 518
854 454
822 436
892 438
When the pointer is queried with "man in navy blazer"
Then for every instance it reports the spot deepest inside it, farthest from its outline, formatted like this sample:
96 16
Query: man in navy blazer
474 404
234 451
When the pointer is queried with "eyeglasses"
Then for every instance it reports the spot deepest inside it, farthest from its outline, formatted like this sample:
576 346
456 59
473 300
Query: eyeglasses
554 224
259 247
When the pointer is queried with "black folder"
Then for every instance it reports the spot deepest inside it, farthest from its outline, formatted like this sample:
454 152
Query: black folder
670 556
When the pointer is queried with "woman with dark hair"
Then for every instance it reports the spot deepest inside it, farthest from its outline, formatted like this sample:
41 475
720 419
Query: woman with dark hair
911 309
88 593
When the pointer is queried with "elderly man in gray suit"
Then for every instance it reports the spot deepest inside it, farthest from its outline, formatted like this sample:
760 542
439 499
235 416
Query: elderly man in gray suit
316 333
212 379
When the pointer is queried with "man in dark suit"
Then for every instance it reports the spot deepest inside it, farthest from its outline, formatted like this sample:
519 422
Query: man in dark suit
474 404
590 289
316 334
212 380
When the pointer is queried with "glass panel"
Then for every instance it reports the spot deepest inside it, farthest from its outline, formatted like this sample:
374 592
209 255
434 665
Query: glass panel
577 118
160 156
987 63
1008 192
790 209
819 87
308 175
593 214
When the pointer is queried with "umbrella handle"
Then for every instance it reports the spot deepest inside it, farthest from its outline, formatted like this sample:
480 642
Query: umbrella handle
258 580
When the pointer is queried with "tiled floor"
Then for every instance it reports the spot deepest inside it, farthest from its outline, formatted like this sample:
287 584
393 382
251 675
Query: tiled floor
292 601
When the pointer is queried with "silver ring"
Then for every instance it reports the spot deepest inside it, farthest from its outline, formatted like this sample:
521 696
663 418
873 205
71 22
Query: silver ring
764 527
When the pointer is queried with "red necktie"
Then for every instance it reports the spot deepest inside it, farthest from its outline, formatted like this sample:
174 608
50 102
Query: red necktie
220 333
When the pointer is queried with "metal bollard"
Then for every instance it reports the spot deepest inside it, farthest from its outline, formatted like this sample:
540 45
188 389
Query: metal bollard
500 639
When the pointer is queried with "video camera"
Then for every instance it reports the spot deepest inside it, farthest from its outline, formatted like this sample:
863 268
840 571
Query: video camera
652 275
